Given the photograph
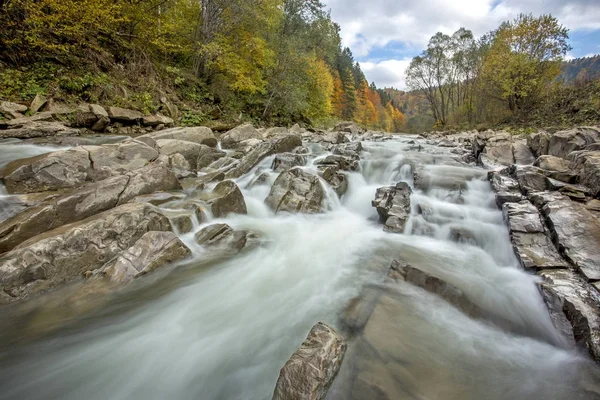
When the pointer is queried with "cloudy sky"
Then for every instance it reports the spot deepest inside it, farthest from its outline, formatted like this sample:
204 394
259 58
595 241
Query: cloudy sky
385 34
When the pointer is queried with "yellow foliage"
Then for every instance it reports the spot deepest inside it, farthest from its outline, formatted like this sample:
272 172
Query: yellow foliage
320 90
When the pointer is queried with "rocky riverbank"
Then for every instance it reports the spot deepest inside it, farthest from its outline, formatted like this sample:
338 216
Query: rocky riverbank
84 222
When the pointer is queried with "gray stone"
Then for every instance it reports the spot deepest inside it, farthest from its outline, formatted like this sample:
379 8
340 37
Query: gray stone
37 103
393 206
155 120
124 115
182 223
295 191
12 110
522 153
556 168
225 198
530 179
190 150
222 240
342 162
310 371
232 138
347 127
38 129
538 143
564 142
152 251
196 134
65 253
587 165
98 110
285 161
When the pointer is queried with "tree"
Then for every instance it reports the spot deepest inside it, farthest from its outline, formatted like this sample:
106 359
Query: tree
525 56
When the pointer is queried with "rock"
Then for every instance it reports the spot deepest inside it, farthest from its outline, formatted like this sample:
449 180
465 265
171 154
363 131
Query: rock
393 206
222 239
310 371
116 159
497 150
37 103
38 129
12 110
279 144
575 230
530 178
506 188
538 143
100 124
153 250
522 153
531 245
232 138
270 133
182 223
593 205
158 198
337 180
84 119
564 142
63 254
20 122
285 161
124 115
575 192
342 162
225 198
189 150
170 108
351 149
556 168
83 203
347 127
587 165
98 110
155 120
565 292
296 191
196 134
335 138
209 155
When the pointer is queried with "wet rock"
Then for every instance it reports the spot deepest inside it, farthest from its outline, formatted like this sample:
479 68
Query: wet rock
124 115
225 198
342 162
221 239
190 150
285 161
587 165
575 230
196 134
232 138
579 303
182 223
335 138
530 179
63 254
506 188
522 153
280 144
531 245
564 142
574 192
296 191
153 250
351 149
497 150
39 129
83 203
310 371
336 179
347 127
393 206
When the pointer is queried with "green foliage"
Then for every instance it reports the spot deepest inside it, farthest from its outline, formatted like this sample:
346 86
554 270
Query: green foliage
193 118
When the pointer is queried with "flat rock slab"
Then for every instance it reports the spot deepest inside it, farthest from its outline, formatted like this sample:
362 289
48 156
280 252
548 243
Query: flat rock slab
310 371
63 254
577 232
153 250
564 291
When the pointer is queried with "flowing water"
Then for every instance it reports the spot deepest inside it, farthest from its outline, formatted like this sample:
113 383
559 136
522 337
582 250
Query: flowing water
222 330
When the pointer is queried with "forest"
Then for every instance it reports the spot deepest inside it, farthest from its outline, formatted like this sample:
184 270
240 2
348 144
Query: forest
265 61
515 76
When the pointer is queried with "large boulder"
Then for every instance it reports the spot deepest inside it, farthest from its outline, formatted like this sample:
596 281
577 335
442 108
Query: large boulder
83 203
310 371
587 165
497 150
506 187
63 254
191 151
335 138
279 144
522 153
531 245
232 138
19 122
556 168
570 298
575 230
564 142
347 127
342 162
336 179
530 178
538 143
296 190
196 134
153 250
156 120
208 155
12 110
393 206
224 199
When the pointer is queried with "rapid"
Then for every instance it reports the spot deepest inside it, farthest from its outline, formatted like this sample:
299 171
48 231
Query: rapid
222 329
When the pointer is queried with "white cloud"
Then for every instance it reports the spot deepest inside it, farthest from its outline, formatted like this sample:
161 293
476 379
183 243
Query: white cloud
373 24
387 73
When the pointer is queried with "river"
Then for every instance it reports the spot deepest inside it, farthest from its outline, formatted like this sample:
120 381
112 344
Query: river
223 330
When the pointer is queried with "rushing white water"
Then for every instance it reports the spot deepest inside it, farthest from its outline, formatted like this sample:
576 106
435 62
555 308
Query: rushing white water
223 331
